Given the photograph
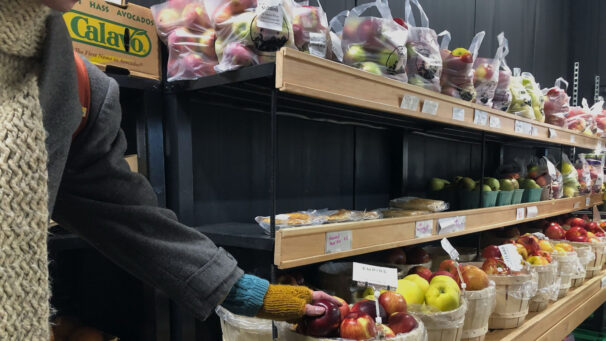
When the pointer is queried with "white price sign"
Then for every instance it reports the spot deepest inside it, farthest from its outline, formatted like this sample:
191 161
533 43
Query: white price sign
480 117
531 211
423 228
520 213
376 275
450 250
576 205
495 122
458 114
338 241
523 127
511 257
587 200
410 102
603 282
573 139
552 133
270 15
430 107
534 131
451 224
317 44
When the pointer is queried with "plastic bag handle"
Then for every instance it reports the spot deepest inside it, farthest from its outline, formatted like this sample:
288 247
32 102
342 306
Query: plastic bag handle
409 16
584 103
445 39
475 44
516 71
381 5
559 81
338 22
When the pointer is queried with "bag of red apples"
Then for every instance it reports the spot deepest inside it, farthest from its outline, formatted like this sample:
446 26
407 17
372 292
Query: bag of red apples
310 29
502 94
556 103
580 119
486 77
186 28
457 68
375 44
424 65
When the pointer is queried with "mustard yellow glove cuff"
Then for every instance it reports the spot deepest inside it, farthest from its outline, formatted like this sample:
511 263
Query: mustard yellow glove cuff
285 302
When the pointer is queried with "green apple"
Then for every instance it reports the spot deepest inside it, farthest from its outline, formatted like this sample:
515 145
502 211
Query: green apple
529 184
355 54
419 281
569 191
506 185
371 67
516 183
442 296
566 167
410 291
493 183
485 188
437 184
389 59
467 184
446 279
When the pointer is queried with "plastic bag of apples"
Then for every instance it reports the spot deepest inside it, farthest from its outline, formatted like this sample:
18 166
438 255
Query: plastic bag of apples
502 94
310 29
186 27
486 77
457 68
556 103
375 44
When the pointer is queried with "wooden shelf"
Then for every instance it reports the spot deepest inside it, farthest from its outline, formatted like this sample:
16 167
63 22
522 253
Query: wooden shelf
306 245
302 74
560 318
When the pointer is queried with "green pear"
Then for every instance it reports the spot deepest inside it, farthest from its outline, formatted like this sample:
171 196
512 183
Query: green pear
437 184
506 184
467 184
493 183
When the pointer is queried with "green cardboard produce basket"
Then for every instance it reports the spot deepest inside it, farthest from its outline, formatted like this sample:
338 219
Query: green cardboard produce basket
516 198
504 198
471 200
532 195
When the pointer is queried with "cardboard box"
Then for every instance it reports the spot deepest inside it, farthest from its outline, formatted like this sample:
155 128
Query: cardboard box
111 36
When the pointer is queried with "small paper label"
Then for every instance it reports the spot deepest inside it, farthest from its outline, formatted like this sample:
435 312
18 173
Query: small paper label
430 107
115 2
587 201
376 275
495 122
423 228
270 15
576 205
518 126
511 257
573 139
480 117
317 44
599 146
534 131
458 114
410 102
596 213
451 224
450 250
552 133
338 241
531 211
523 127
520 213
603 282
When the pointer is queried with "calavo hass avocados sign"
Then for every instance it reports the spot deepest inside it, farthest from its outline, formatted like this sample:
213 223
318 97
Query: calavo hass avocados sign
109 35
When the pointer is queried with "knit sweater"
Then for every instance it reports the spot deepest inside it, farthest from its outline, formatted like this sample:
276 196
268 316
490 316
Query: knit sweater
24 289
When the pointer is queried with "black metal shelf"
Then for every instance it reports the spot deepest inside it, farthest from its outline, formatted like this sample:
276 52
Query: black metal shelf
132 82
250 236
235 76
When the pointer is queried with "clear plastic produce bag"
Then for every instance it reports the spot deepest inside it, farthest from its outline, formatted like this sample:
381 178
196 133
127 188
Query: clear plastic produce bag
584 175
502 94
579 119
310 29
486 76
294 219
336 25
536 96
414 203
556 103
521 102
596 165
243 328
375 44
424 65
457 68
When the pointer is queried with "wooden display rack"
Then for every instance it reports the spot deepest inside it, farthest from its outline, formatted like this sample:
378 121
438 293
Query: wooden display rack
302 74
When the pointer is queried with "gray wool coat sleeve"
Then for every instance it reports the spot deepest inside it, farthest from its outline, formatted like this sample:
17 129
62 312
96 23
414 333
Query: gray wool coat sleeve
116 211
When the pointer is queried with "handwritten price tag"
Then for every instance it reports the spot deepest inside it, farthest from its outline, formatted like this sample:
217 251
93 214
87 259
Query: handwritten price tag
423 228
511 257
430 107
480 117
495 122
451 224
552 133
573 139
534 131
531 211
458 114
410 102
338 241
520 213
452 252
377 275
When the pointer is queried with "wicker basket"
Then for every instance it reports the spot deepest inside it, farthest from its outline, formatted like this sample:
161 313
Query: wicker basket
567 268
586 255
547 288
512 297
480 305
594 266
242 328
443 326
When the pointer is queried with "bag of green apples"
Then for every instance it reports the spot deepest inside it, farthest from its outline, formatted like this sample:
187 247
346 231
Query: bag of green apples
569 177
424 65
486 77
187 30
457 68
536 95
336 35
556 103
375 44
310 29
502 94
521 102
250 33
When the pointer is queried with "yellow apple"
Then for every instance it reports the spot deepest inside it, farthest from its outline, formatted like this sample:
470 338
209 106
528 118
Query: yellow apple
419 281
445 279
410 291
545 246
563 247
442 296
369 292
537 260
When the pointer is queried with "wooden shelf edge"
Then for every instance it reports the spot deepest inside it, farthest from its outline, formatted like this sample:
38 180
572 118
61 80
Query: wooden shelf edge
294 74
560 317
306 245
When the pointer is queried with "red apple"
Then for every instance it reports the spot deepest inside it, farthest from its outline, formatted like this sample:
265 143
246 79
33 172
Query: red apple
239 6
168 19
530 242
396 256
474 278
495 266
416 255
238 54
325 325
576 234
368 32
444 273
555 231
207 43
222 14
369 307
592 226
386 330
358 326
181 40
491 251
575 221
195 17
392 302
450 265
402 323
421 271
543 254
344 308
